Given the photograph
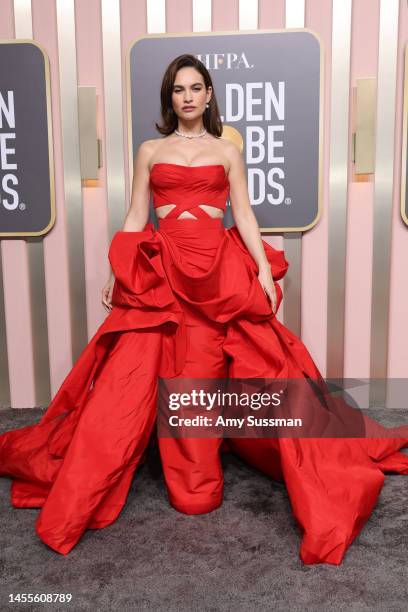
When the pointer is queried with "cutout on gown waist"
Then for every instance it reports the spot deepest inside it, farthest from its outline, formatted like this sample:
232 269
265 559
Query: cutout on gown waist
182 194
186 214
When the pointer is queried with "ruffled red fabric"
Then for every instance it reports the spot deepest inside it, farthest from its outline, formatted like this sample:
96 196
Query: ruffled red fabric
333 484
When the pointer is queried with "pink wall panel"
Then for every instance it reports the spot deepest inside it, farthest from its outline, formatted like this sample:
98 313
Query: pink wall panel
225 15
16 288
363 64
179 16
55 242
271 14
94 197
133 23
318 17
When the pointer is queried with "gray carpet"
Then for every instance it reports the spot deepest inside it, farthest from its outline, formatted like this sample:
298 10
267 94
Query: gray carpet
242 556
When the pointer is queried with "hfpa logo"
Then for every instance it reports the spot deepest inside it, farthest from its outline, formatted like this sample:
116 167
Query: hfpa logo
226 61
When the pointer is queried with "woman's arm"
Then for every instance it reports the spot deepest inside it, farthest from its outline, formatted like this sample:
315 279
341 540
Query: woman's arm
246 222
138 213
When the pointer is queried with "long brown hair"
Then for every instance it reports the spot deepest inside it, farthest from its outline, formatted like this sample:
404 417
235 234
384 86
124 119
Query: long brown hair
211 116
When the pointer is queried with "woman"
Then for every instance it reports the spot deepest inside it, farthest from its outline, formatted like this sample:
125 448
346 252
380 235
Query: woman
188 300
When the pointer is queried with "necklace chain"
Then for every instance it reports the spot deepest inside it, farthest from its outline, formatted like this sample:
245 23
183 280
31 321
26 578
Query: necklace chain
191 135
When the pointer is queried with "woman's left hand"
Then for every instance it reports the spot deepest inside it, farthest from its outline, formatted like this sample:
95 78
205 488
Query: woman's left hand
267 283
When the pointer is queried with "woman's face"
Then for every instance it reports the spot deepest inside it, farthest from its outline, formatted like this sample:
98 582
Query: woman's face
189 90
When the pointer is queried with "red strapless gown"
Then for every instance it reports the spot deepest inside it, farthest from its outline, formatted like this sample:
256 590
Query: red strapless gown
188 298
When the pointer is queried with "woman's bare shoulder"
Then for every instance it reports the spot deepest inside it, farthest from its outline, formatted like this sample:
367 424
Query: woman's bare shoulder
154 140
149 147
146 150
231 151
229 147
150 143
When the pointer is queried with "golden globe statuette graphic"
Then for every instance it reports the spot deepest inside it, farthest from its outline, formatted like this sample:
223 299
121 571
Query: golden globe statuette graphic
232 134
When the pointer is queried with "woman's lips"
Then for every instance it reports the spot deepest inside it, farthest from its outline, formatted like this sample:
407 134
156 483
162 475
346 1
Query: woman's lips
188 108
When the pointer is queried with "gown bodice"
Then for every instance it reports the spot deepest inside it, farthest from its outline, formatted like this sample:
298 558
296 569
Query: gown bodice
189 186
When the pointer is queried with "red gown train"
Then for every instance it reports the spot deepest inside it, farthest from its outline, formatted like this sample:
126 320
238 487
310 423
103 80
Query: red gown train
187 303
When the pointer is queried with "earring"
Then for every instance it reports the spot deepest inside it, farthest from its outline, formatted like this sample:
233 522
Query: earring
207 105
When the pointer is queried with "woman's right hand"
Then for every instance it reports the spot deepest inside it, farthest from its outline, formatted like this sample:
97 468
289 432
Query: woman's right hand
107 294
